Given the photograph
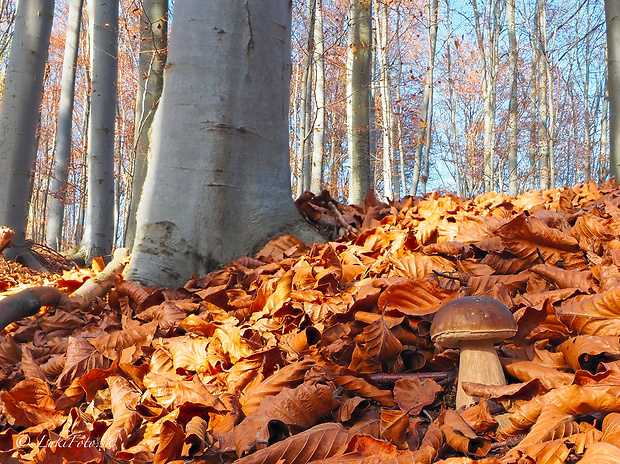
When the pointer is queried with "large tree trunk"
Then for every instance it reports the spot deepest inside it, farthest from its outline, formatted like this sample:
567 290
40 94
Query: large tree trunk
513 110
427 97
220 143
358 99
58 192
99 233
612 19
318 135
20 115
153 49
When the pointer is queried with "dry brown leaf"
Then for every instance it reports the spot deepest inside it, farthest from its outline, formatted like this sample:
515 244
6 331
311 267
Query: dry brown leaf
479 417
112 344
289 376
412 395
601 453
300 407
562 278
379 342
415 297
124 399
313 445
549 377
394 425
550 452
30 403
594 315
460 437
586 351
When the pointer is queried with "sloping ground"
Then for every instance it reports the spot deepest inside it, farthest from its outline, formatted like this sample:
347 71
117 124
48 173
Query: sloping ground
323 355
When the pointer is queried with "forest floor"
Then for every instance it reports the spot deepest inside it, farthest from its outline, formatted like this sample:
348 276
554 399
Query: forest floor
323 354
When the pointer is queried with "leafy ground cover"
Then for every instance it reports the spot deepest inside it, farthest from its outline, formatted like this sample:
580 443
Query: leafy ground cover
323 354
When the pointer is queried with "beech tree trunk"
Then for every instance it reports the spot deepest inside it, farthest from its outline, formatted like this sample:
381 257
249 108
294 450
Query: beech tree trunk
513 109
153 49
53 233
305 118
427 98
99 232
212 157
318 135
543 123
358 99
20 116
386 99
612 19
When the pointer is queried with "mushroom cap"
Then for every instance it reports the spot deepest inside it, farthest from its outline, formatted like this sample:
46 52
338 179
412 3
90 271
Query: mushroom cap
472 318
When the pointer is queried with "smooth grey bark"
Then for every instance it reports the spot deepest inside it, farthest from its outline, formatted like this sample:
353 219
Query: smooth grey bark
305 118
612 20
99 231
385 87
218 186
543 123
488 39
358 99
318 135
454 145
513 110
427 98
603 157
153 49
19 118
58 190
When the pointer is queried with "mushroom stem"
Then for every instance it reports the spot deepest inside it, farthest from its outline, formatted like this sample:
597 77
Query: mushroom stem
478 363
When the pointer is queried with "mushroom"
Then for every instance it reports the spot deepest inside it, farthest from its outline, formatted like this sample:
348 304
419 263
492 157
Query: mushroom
473 324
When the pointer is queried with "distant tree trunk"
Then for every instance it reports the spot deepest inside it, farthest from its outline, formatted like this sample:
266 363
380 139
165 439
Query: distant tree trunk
543 132
211 156
358 99
58 192
318 135
99 233
427 96
488 38
305 124
20 116
513 110
603 158
533 147
381 53
612 19
153 49
454 145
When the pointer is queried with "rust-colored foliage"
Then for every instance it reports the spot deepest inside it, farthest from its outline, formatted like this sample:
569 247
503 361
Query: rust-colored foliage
322 353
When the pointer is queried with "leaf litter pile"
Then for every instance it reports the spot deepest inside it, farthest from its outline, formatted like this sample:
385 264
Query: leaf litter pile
323 354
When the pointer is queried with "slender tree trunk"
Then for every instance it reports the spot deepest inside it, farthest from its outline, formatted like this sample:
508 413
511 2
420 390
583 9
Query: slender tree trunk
427 96
153 49
454 145
210 155
603 157
543 133
612 19
19 118
65 122
99 234
303 179
318 135
488 39
359 94
513 109
386 96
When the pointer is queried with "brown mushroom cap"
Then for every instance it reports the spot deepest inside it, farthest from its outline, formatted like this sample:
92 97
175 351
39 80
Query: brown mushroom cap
472 318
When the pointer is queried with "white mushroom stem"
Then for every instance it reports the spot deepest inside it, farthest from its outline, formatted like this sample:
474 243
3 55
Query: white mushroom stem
478 363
